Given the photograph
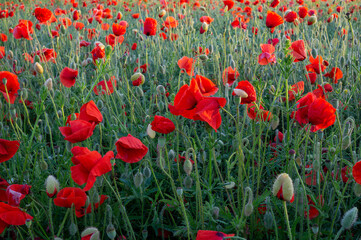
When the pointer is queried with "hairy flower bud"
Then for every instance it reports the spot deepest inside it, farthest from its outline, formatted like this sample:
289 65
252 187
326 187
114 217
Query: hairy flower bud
52 186
349 218
38 68
283 188
49 84
187 167
94 232
138 179
111 233
151 133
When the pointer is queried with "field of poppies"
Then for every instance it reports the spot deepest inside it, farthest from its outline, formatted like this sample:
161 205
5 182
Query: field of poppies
180 119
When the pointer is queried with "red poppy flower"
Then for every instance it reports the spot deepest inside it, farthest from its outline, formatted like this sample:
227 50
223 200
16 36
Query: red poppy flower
68 77
42 14
170 22
335 74
186 63
182 159
317 65
206 19
212 235
105 87
130 149
16 192
89 112
80 212
273 19
298 50
78 131
119 29
143 68
302 12
89 165
45 55
11 88
291 16
66 22
297 88
229 76
70 196
135 15
267 55
3 186
3 37
321 114
258 114
79 26
84 43
12 216
356 172
71 117
98 52
274 3
113 40
134 46
303 105
206 86
162 124
150 27
76 15
2 52
313 212
312 77
246 91
228 3
23 30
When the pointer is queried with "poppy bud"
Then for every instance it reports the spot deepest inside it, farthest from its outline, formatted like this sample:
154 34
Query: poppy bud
38 68
215 212
161 105
312 20
268 220
89 60
161 13
57 238
138 179
10 54
43 165
315 228
52 186
147 172
283 188
73 229
346 142
69 146
145 234
180 191
357 189
137 79
111 233
349 218
240 93
187 167
188 182
160 90
119 15
139 92
151 133
171 154
108 50
36 58
202 9
49 84
248 209
94 232
203 57
204 28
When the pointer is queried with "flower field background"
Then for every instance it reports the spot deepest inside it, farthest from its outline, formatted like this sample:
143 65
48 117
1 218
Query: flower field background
180 119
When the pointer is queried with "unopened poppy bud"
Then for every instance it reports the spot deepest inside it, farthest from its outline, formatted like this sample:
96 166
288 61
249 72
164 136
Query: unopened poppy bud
188 182
202 9
138 179
151 133
161 90
38 68
187 167
275 121
137 79
248 209
84 63
283 188
171 154
161 105
349 218
312 20
215 212
36 58
10 54
108 50
357 189
94 232
203 57
240 93
43 165
161 13
147 172
204 28
145 234
268 220
57 238
52 186
180 191
315 228
69 146
73 229
346 142
111 233
49 84
89 60
139 92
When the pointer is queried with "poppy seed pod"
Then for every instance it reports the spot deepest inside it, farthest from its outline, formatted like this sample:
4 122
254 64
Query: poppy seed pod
38 68
52 186
283 188
349 218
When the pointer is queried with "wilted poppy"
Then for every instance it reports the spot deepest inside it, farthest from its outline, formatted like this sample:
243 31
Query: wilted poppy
162 124
229 75
89 112
130 149
68 77
89 165
150 27
78 131
9 86
186 63
70 196
10 215
245 91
